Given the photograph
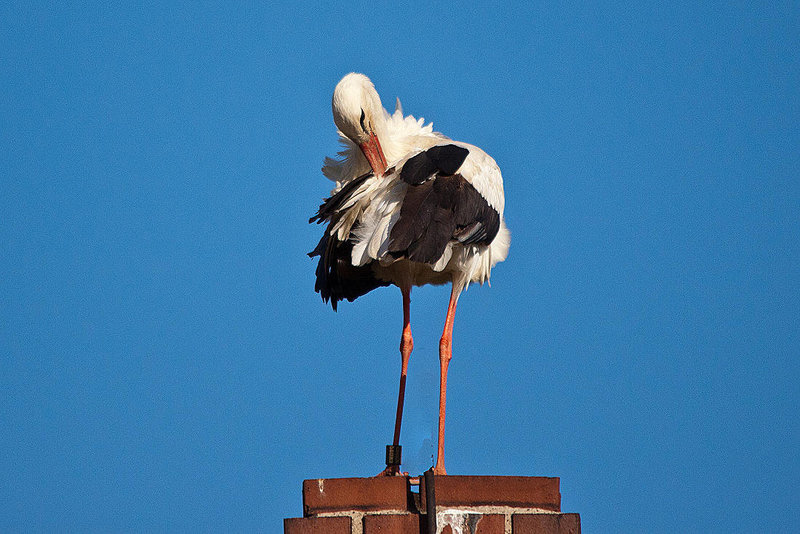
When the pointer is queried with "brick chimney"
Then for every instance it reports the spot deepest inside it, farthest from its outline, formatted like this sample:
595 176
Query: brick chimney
463 505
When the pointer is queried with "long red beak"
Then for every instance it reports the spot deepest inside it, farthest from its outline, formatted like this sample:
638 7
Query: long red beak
374 153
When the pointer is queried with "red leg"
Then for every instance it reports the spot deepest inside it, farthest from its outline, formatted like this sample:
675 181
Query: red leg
406 346
445 353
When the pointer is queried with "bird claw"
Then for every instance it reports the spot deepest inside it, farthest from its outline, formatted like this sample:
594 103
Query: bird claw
392 471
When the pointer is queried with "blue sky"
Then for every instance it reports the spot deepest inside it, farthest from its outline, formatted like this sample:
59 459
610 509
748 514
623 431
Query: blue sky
165 364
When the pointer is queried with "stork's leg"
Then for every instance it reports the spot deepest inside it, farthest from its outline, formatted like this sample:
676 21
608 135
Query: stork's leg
406 346
445 353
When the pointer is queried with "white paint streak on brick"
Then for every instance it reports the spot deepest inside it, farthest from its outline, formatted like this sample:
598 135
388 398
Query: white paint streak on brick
457 520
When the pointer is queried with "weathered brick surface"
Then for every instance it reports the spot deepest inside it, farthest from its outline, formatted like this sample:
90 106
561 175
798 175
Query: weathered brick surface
363 494
546 524
394 524
491 524
317 525
527 492
392 494
471 522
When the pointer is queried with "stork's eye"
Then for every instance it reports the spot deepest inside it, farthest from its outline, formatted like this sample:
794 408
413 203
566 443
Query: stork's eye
361 120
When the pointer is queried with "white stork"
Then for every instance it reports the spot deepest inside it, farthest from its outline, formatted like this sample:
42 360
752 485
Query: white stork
410 207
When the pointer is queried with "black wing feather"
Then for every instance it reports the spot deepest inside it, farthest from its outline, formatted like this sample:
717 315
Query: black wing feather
441 159
331 205
336 277
438 211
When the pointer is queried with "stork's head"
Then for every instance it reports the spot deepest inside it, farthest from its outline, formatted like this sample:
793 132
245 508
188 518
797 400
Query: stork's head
358 113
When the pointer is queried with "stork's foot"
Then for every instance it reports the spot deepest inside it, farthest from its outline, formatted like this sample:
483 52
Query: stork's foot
438 471
392 471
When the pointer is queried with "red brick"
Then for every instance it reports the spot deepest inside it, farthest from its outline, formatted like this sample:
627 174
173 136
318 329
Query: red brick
363 494
492 524
546 524
522 492
394 524
317 525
